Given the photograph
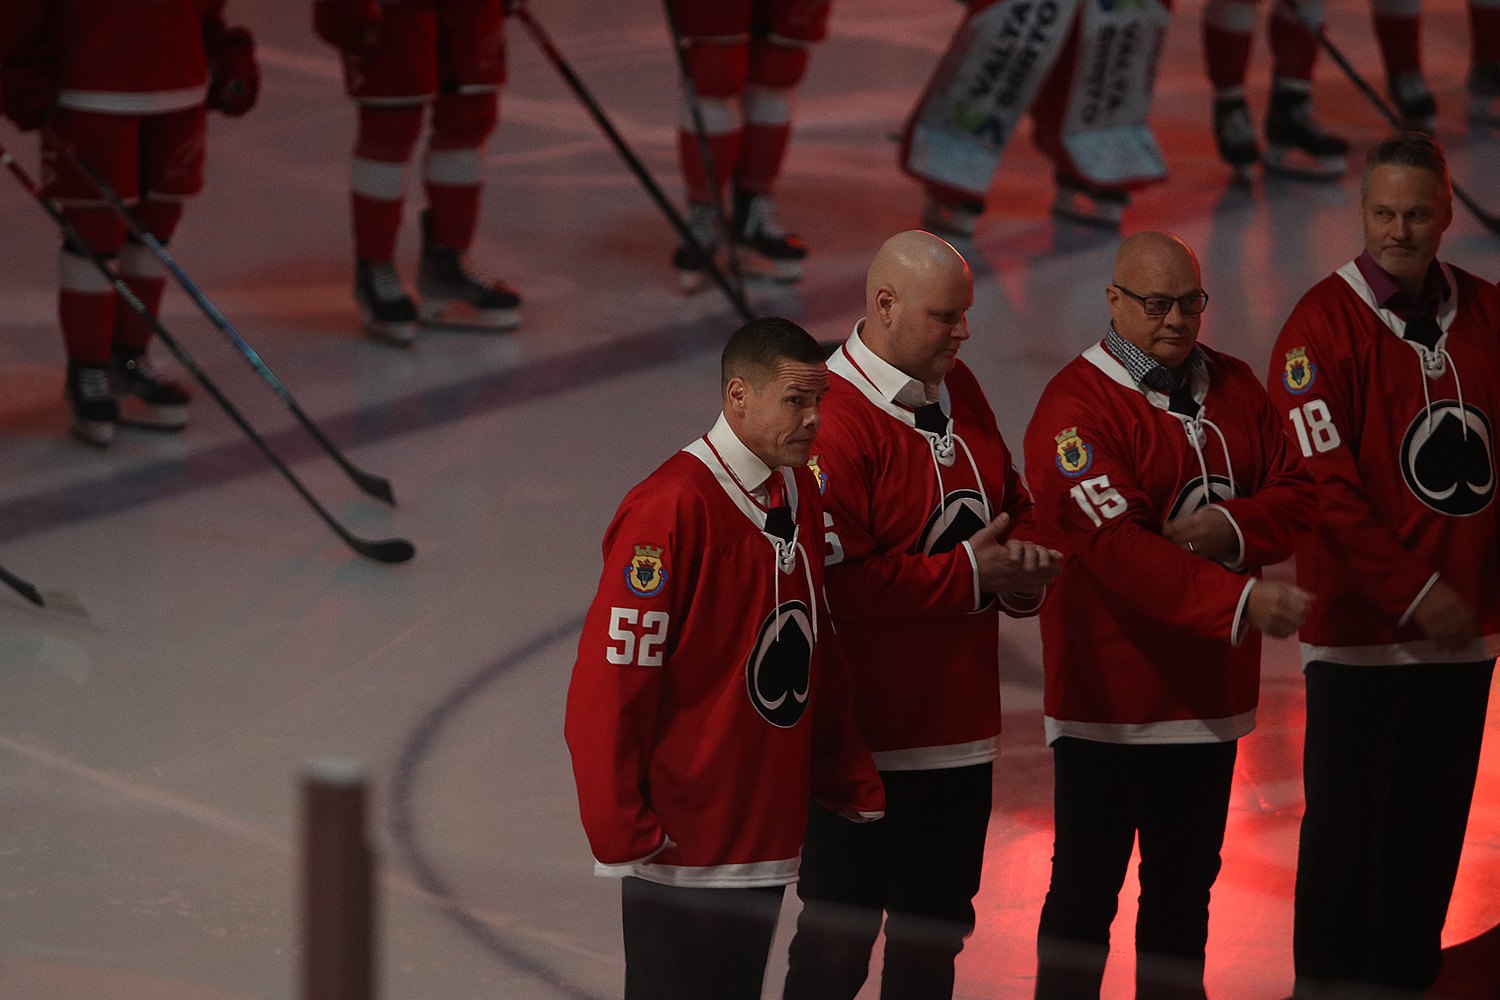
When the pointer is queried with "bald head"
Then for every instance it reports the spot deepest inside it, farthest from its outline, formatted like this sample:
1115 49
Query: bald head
1155 265
1149 253
917 294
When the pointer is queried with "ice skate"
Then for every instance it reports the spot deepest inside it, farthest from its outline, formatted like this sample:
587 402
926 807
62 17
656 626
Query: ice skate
772 252
1235 136
1296 144
949 216
387 313
1414 102
692 269
452 296
1484 96
1079 201
94 410
143 397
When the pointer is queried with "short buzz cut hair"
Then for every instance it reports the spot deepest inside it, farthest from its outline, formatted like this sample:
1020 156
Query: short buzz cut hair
1409 149
755 349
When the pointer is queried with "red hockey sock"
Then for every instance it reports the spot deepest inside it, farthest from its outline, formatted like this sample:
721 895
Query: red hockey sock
1294 47
1226 53
1399 35
724 147
375 225
87 321
130 329
760 159
454 214
1484 31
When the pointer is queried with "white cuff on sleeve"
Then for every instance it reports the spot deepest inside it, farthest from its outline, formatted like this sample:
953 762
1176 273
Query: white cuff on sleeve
1239 560
1241 624
974 564
1412 608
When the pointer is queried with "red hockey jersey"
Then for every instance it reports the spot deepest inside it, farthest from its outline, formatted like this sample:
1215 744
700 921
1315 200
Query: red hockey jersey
923 642
117 57
1401 443
708 700
1144 642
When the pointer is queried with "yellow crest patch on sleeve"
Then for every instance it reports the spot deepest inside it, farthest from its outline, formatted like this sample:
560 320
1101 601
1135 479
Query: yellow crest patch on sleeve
1075 456
644 574
1299 372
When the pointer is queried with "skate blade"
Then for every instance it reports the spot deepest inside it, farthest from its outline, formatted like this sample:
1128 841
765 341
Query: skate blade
1106 216
137 413
394 334
1291 162
1484 111
66 602
98 433
767 269
456 315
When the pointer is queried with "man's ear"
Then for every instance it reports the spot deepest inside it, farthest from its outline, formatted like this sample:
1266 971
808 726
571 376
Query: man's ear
734 395
885 303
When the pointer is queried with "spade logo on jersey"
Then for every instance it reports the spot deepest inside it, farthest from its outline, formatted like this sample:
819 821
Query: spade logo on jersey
780 665
1193 495
960 514
1449 470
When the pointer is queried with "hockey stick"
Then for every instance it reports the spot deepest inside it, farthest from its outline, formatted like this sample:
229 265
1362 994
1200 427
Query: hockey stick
376 486
59 600
544 42
700 132
389 550
1489 221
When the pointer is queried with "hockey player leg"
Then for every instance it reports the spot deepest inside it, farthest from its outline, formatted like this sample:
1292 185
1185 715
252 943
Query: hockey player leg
719 68
776 67
146 398
85 300
387 136
1484 70
1227 33
86 311
453 174
1398 29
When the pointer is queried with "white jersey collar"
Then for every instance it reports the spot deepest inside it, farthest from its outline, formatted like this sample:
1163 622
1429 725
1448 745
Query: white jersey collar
1355 278
881 382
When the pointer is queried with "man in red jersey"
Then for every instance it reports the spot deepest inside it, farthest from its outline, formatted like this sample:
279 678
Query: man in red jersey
126 86
400 58
709 698
1388 374
1159 467
924 506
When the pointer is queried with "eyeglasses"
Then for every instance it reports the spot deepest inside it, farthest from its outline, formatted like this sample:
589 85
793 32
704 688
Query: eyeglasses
1160 305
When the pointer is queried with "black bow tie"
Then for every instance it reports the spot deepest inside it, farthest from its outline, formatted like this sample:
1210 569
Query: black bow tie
1423 330
779 523
1181 400
930 418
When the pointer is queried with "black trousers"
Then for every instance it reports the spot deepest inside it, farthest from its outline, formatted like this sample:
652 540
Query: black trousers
1176 797
695 944
918 867
1388 771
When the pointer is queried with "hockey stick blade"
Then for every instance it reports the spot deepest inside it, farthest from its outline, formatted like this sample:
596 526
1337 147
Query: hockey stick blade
387 550
55 600
376 486
1485 219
